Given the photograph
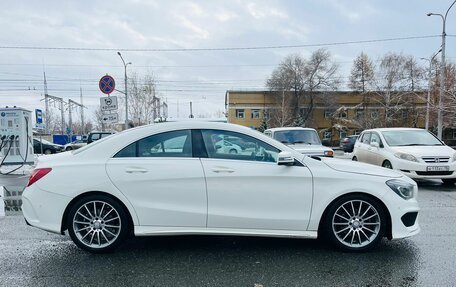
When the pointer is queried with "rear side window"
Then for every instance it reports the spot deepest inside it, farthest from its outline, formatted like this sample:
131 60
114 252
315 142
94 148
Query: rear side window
169 144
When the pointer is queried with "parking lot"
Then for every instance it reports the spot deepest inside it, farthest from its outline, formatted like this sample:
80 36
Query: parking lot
32 257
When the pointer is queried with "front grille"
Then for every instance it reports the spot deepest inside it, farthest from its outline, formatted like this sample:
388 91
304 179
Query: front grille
436 159
409 218
434 172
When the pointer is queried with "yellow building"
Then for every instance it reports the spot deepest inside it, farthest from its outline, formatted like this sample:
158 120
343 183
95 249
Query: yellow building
333 114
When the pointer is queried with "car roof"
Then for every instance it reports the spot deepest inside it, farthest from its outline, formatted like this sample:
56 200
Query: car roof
289 128
394 129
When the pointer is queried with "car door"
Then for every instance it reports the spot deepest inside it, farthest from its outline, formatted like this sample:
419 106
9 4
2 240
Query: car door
249 190
362 146
373 150
162 180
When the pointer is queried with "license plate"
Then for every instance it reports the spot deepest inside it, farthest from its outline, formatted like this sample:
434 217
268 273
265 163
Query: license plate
438 168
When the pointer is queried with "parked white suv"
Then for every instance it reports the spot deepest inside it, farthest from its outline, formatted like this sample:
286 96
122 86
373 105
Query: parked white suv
415 152
304 140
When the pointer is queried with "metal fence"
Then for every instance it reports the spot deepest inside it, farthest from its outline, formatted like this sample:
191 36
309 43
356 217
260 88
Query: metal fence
12 198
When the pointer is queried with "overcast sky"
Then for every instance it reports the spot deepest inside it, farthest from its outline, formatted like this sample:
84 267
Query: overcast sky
198 76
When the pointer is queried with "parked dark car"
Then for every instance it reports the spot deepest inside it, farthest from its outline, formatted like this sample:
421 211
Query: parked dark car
348 143
48 147
94 136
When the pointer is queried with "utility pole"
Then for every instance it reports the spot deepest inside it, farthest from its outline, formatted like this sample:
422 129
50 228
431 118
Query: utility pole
51 99
46 118
191 111
429 87
72 104
82 114
442 73
126 90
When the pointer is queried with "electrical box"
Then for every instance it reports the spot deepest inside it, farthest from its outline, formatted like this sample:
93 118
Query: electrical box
16 136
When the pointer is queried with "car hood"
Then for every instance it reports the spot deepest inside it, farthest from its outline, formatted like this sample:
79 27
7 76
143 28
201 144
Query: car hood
359 168
420 151
309 148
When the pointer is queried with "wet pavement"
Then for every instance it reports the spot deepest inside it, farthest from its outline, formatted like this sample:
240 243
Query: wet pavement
31 257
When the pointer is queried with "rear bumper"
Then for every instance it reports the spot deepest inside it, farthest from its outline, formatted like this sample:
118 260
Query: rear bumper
43 209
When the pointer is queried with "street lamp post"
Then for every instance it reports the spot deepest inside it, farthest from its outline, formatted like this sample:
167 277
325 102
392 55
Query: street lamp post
126 90
442 73
429 87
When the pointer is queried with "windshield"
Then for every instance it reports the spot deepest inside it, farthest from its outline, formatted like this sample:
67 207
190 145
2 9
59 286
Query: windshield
410 138
298 137
45 141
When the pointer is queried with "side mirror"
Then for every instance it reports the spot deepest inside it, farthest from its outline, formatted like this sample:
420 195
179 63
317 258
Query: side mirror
375 144
217 146
285 158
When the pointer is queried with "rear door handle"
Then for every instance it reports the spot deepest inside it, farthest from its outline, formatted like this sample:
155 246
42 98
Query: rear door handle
222 169
135 170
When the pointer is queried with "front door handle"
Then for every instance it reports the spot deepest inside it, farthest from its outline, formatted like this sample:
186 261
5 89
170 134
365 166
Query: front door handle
135 170
222 169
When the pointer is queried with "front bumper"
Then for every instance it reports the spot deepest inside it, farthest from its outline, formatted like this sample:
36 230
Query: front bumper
404 215
44 209
418 170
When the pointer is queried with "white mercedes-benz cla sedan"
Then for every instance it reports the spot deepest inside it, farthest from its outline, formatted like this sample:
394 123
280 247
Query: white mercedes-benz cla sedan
170 179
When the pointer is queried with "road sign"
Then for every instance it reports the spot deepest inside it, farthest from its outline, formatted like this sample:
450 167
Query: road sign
39 116
108 103
40 126
110 118
107 84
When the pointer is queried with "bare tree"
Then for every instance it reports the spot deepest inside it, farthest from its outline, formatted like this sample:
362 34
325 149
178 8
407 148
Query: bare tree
362 73
302 78
143 104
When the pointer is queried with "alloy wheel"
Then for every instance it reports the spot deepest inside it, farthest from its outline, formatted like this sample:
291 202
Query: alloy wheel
97 224
356 223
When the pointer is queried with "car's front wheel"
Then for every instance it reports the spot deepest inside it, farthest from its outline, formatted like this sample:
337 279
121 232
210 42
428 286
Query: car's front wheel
97 223
354 158
355 223
387 164
68 148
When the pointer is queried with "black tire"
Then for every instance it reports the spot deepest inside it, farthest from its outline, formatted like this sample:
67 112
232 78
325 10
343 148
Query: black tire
362 233
449 181
354 158
47 151
233 151
104 237
69 148
387 164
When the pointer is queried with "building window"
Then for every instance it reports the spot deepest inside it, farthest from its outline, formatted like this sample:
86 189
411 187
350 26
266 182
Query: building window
357 132
404 113
327 135
343 115
328 114
255 114
374 114
240 114
454 134
359 114
342 134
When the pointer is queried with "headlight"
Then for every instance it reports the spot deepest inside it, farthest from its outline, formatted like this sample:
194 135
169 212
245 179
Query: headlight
405 156
329 153
402 188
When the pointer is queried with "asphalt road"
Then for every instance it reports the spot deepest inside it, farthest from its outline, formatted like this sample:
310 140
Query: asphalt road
31 257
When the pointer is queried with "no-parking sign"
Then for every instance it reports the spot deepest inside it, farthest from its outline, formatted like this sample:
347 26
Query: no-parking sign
107 84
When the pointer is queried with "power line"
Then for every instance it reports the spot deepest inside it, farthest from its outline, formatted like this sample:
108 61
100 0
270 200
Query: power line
222 48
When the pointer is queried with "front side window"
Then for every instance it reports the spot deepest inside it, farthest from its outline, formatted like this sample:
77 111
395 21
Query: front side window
169 144
375 138
366 138
231 145
240 114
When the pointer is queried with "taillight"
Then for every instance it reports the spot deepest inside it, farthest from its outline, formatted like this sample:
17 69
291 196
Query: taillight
38 174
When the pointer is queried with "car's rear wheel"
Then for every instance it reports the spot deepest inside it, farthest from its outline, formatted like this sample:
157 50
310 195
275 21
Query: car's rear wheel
47 151
387 164
355 223
97 223
68 148
354 158
233 151
449 181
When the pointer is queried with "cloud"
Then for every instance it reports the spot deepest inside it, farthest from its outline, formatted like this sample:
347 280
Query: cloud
261 11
